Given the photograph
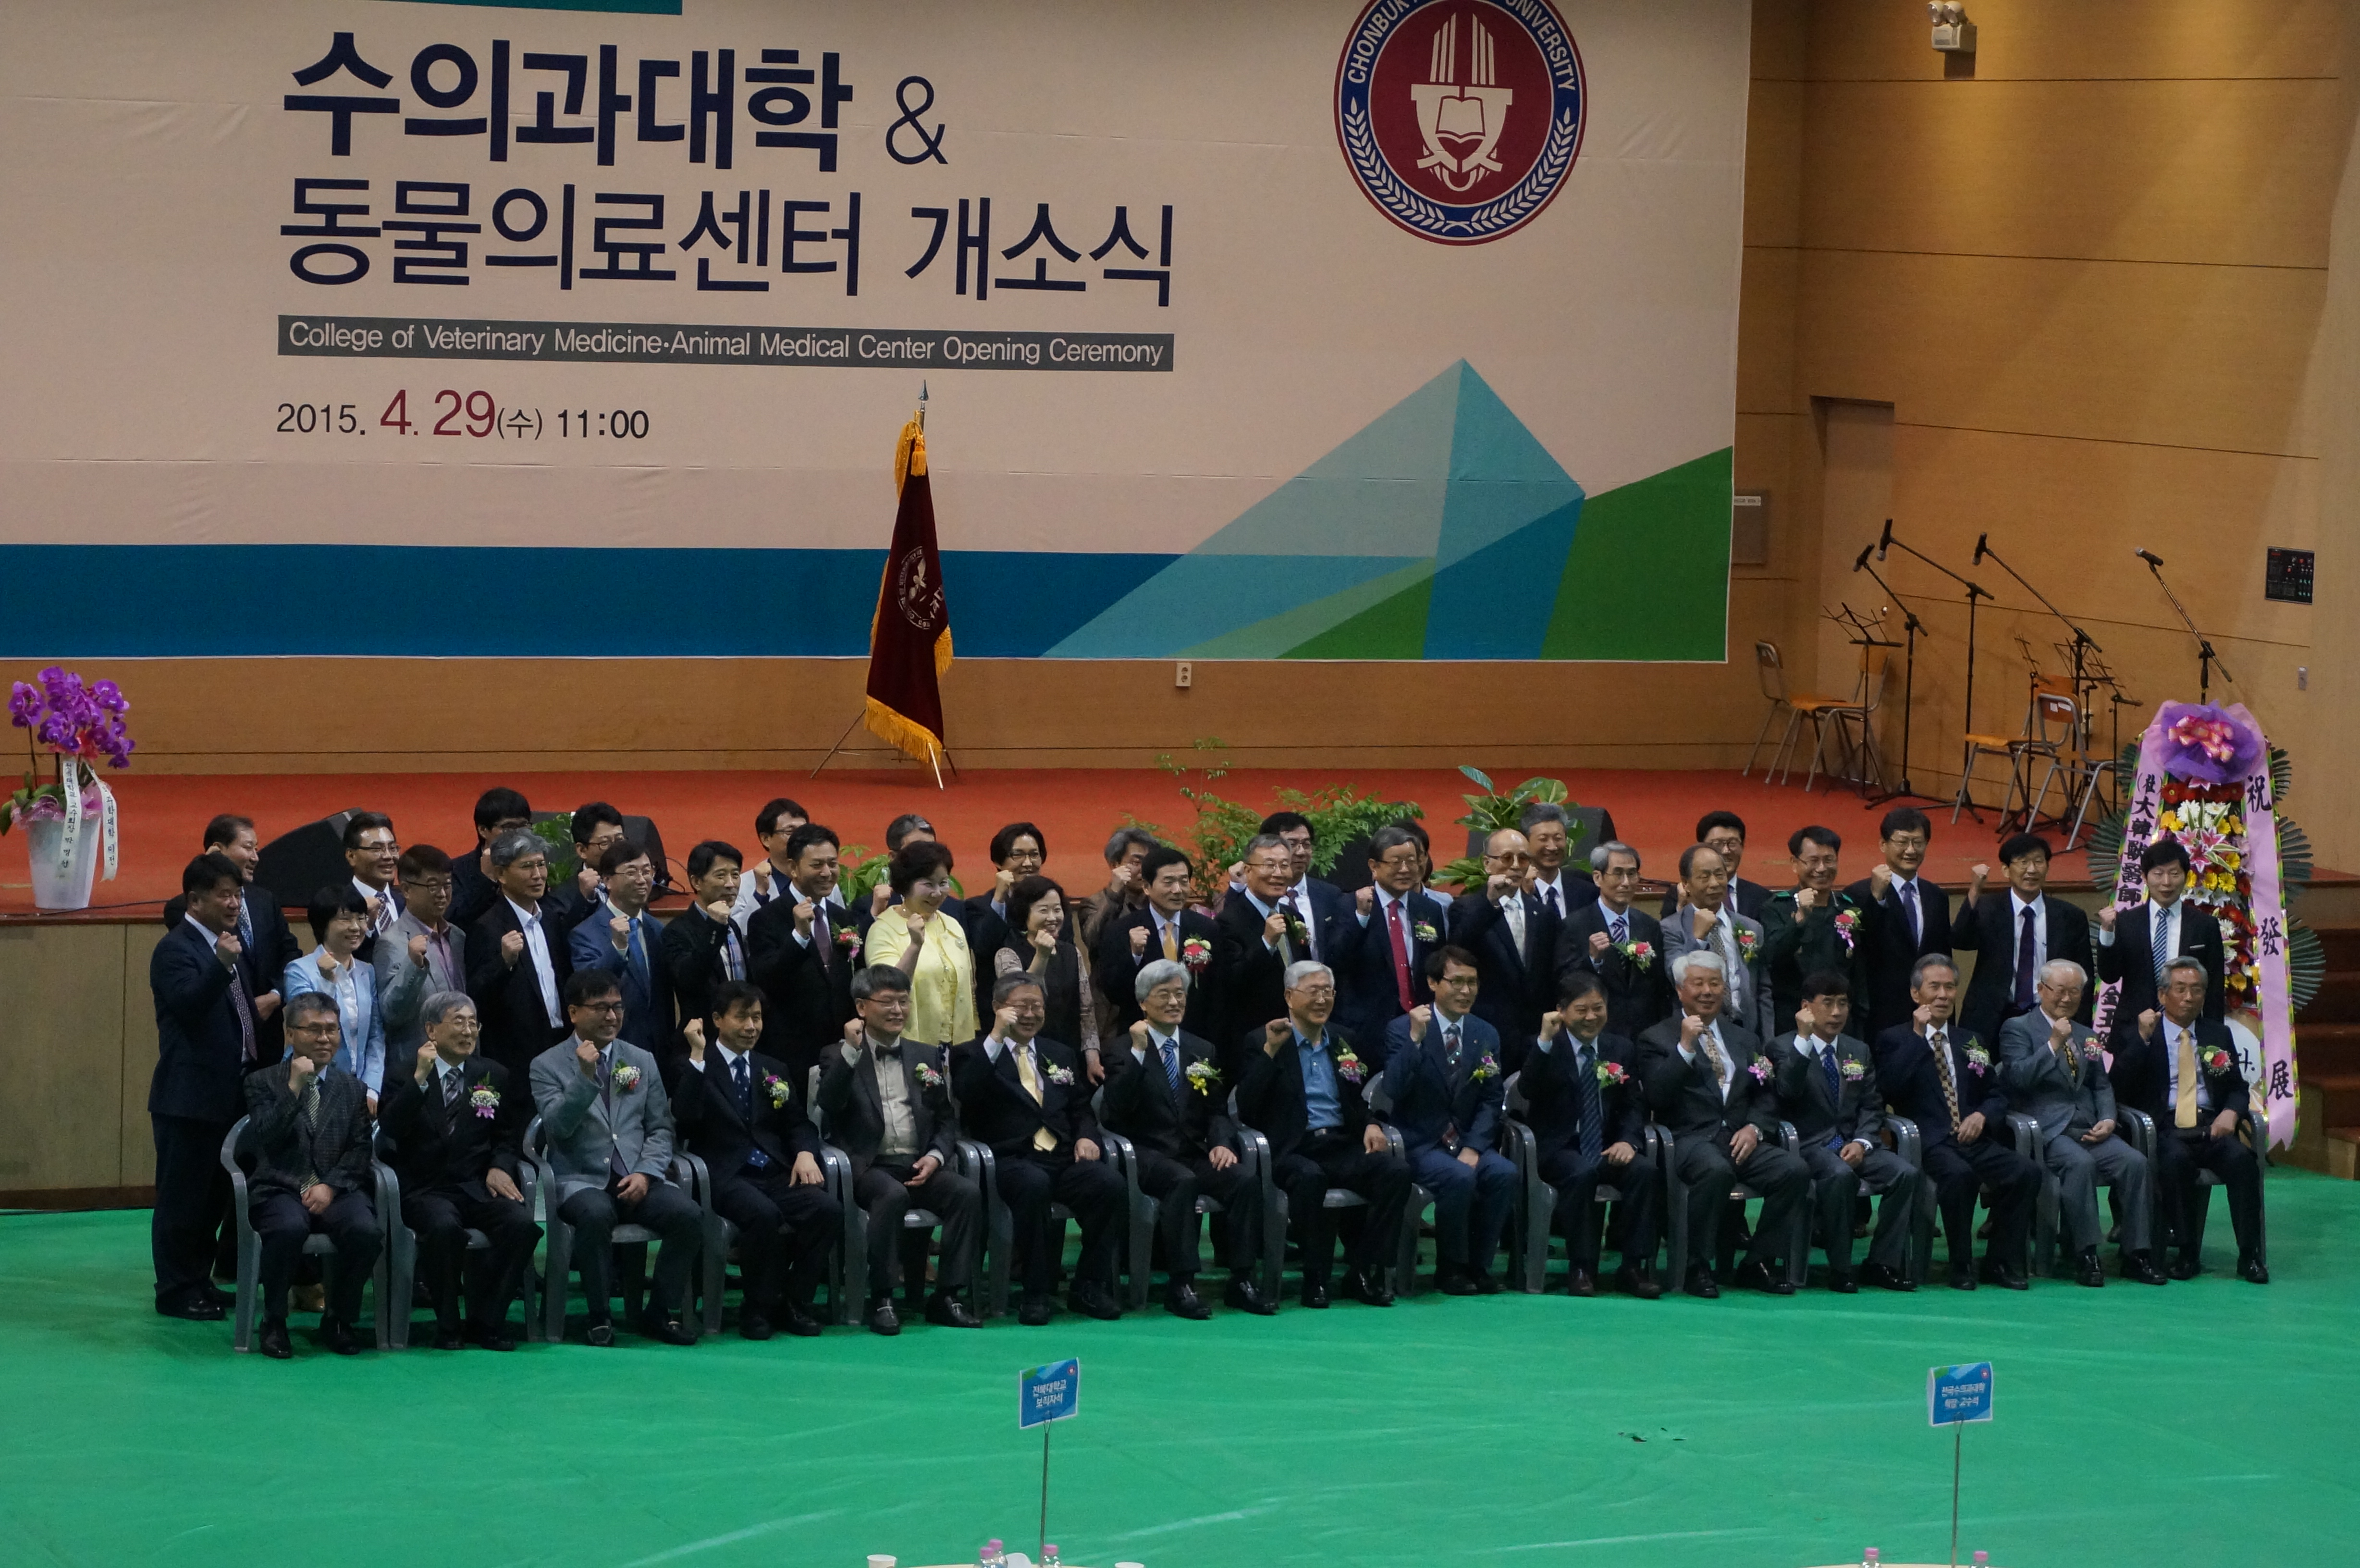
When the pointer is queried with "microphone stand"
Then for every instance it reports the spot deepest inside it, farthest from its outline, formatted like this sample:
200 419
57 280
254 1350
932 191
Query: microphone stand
2082 642
1911 625
1974 591
2206 658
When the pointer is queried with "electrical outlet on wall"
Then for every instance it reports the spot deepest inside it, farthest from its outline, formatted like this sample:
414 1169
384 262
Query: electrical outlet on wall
1183 675
2302 676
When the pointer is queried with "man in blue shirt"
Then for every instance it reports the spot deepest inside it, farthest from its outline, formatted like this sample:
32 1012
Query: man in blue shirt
1443 1078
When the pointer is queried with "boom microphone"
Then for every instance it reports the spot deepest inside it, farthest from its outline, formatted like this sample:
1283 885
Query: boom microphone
2149 556
1886 543
1863 557
1982 548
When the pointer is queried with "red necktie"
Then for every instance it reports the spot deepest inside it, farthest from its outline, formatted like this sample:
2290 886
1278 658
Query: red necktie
1401 952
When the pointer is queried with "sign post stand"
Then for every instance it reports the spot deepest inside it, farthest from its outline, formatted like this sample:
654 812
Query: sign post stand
1955 1396
1045 1396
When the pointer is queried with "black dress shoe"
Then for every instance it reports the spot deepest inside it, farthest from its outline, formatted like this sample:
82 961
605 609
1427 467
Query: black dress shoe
1886 1278
2140 1265
1315 1292
1843 1282
1180 1298
1580 1283
2013 1279
449 1339
272 1341
1454 1282
1488 1283
1755 1275
2087 1270
1640 1283
601 1333
2253 1271
1700 1283
1962 1276
225 1299
1035 1312
670 1330
195 1309
1373 1291
337 1336
951 1313
492 1337
802 1325
1092 1300
752 1324
882 1319
1247 1297
2186 1267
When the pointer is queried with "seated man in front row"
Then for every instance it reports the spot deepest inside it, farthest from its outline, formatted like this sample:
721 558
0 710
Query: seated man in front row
1166 1096
1302 1088
1709 1083
2055 1073
1023 1096
1826 1087
453 1125
888 1103
310 1139
738 1112
610 1127
2181 1069
1442 1074
1590 1122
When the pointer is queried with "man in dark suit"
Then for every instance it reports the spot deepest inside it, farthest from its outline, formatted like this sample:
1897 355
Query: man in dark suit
1812 927
2180 1068
1167 1095
1723 833
738 1112
597 827
1589 1118
1825 1086
1444 1081
1024 1097
1620 943
474 888
888 1103
1559 889
2135 944
702 948
207 1039
2014 935
1708 1082
803 948
1257 935
1707 919
1165 930
1125 852
1303 1088
374 854
1513 938
1909 917
309 1139
452 1128
1943 1075
269 946
517 966
622 939
1378 956
1320 907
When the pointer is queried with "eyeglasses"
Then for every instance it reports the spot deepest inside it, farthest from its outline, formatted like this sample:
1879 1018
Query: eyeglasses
1313 993
614 1006
432 885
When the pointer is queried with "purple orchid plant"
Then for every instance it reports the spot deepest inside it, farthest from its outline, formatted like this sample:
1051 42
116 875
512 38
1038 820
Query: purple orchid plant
71 719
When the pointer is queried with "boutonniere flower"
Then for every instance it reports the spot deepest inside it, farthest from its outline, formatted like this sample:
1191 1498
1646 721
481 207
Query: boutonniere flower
1759 1070
1610 1075
1202 1076
1641 954
846 938
1425 932
624 1078
2215 1060
2092 1051
1057 1074
1348 1067
485 1101
927 1077
776 1087
1487 1068
1848 927
1746 943
1978 1058
1196 953
1852 1071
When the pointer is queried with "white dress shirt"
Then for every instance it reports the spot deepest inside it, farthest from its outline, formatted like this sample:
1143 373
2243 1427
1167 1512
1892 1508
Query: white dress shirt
2016 906
536 947
1711 1040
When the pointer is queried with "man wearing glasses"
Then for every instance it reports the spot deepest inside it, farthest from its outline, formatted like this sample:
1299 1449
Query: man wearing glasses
425 952
375 856
517 966
1621 944
1513 938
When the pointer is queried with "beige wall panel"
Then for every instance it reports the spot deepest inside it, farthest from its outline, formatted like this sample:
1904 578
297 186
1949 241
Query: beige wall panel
2235 172
61 1055
1782 40
1774 163
2082 39
1769 292
137 1142
2173 356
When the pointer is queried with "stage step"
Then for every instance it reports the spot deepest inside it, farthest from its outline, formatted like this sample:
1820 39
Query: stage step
2339 997
2342 945
2327 1048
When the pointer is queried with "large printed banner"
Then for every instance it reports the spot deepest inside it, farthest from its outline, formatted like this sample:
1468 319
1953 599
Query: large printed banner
584 327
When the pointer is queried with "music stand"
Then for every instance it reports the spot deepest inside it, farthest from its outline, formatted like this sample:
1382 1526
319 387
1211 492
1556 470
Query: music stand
2084 645
1869 775
1974 591
1911 626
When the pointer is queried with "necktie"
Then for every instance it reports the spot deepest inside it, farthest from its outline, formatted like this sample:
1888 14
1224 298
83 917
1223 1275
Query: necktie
2025 962
1511 909
2066 1055
312 1104
1549 897
615 1165
754 1155
1030 1076
1287 942
1917 916
1171 941
1401 952
1619 931
243 1005
1310 942
637 955
1711 1049
733 959
450 1091
1585 1087
821 935
245 924
1834 1078
2162 942
1940 1043
1170 1067
2183 1104
311 1128
1450 1044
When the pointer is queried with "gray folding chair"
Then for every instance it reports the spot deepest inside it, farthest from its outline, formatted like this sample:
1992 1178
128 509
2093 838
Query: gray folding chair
1535 1214
558 1239
1420 1199
249 1247
848 1278
1675 1206
2141 1130
1144 1208
401 1244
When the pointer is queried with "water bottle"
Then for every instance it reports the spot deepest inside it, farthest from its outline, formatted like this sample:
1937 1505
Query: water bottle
1869 1559
1049 1554
1982 1560
991 1556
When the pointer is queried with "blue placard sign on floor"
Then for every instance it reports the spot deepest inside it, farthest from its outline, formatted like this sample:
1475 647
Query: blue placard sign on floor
1049 1393
1959 1394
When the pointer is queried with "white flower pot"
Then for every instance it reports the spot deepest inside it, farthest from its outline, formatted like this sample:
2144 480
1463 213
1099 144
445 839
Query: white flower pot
57 885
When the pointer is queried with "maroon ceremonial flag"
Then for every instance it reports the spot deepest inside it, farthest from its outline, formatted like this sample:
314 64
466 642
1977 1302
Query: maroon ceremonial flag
910 638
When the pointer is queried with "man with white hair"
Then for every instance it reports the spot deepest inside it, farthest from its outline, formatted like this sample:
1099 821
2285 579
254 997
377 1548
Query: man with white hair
1708 1080
2055 1072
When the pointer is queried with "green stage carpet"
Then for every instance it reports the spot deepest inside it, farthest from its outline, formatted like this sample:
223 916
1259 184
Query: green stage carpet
2204 1423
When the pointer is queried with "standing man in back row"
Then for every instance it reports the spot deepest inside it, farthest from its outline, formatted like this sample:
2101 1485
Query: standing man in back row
1621 944
1724 834
1910 919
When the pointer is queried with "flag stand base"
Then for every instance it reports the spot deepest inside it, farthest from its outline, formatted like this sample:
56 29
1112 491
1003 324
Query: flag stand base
937 759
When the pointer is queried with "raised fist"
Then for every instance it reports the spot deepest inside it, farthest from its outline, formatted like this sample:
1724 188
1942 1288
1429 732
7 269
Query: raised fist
1419 1018
1275 1033
1138 940
511 947
417 949
2106 918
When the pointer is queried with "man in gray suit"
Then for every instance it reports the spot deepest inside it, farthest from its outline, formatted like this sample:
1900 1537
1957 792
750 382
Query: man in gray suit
608 1125
1826 1087
1707 919
2052 1070
422 953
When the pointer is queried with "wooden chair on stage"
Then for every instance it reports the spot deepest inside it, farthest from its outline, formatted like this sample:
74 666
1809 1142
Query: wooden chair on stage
2050 714
1856 758
1771 669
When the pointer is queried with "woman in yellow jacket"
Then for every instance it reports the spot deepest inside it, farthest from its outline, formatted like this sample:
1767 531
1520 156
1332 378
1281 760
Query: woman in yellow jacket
929 946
